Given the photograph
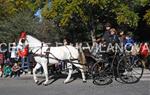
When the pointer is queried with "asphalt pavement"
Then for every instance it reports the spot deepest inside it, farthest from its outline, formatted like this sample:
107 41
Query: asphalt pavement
26 86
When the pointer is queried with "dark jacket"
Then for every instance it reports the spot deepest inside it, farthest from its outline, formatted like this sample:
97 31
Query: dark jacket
106 36
114 39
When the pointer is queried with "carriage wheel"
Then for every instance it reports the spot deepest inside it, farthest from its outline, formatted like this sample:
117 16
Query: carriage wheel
130 72
90 63
101 74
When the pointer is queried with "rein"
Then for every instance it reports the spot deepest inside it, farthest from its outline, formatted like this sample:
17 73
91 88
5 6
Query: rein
46 55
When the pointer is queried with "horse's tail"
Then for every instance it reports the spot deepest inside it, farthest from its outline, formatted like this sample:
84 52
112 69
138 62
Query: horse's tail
82 58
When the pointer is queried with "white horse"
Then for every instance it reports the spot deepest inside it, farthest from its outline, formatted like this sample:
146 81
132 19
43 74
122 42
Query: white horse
62 53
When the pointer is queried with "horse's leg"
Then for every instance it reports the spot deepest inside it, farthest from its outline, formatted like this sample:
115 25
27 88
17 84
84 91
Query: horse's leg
44 65
82 71
83 74
69 66
37 66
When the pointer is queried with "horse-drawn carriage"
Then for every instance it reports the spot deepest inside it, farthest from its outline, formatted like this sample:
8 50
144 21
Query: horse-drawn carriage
101 69
104 66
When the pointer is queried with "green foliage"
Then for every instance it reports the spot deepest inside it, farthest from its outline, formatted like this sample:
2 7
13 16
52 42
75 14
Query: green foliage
10 27
142 2
126 16
147 17
68 16
65 10
11 7
90 13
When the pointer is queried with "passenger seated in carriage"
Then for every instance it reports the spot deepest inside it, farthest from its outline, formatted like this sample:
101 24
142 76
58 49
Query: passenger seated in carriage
98 47
65 41
111 47
113 36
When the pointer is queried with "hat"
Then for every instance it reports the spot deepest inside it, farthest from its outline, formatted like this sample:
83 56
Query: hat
23 35
107 24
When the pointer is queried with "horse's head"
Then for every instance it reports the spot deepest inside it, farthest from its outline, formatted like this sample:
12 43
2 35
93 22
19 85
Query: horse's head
34 43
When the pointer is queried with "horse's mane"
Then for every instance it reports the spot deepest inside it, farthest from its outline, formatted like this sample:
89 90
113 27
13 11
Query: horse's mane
33 39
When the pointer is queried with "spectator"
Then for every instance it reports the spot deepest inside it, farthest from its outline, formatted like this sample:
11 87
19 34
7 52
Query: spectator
13 55
7 62
1 71
23 51
16 70
7 71
1 58
1 63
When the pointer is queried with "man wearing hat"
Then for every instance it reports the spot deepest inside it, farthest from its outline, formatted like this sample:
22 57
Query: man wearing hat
23 50
106 35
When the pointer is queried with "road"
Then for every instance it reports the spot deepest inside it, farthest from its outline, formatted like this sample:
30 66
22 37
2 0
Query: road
26 86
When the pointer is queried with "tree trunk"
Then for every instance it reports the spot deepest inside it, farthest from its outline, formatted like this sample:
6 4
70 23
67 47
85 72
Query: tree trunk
92 35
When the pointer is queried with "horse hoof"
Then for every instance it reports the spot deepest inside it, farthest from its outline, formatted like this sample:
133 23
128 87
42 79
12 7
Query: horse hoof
37 82
65 82
45 84
84 81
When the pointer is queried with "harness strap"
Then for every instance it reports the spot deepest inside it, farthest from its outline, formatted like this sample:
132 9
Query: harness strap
47 56
54 57
69 52
41 47
35 51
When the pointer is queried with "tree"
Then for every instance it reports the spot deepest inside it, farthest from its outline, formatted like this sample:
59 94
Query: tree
11 27
17 16
91 13
147 17
11 7
75 18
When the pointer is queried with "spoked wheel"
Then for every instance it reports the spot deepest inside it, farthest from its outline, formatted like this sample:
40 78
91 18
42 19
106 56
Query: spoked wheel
101 74
130 72
90 62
